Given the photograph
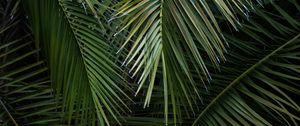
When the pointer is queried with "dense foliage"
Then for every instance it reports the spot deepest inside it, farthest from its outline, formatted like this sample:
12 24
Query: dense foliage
149 62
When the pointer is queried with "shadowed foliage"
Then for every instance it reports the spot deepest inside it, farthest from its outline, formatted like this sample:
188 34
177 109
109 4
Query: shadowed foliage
149 62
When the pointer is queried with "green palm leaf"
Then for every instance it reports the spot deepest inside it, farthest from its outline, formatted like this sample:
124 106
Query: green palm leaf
182 62
167 35
26 95
264 92
82 68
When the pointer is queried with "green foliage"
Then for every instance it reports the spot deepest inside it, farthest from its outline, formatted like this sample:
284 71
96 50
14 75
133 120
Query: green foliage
150 62
26 96
82 70
263 91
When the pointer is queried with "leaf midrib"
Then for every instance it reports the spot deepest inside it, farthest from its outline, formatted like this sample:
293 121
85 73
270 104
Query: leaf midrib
249 70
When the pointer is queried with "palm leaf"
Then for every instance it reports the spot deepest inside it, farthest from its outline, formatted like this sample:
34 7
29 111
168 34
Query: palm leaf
82 68
26 95
265 90
171 49
167 36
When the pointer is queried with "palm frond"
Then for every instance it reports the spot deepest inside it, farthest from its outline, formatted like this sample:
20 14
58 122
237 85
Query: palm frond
26 95
173 50
164 40
81 65
265 90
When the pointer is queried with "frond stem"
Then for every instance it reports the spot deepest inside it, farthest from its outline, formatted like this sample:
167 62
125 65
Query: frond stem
234 82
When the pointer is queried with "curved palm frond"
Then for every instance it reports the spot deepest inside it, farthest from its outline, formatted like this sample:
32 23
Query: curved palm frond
151 27
263 91
148 21
170 48
160 35
82 67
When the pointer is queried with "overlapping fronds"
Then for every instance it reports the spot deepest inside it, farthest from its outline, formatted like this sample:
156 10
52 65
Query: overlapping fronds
150 62
152 25
81 65
26 95
260 83
165 38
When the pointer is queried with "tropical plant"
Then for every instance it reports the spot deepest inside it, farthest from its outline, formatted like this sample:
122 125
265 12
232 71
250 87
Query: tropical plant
26 95
149 62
